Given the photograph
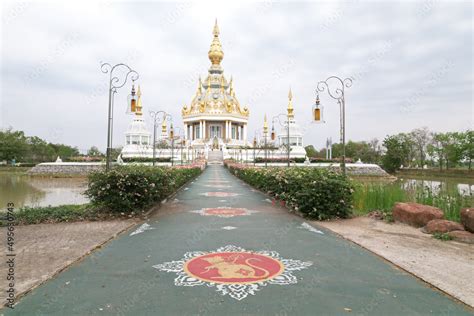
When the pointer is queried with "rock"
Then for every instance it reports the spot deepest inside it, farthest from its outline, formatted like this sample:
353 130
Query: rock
467 219
415 214
462 236
441 226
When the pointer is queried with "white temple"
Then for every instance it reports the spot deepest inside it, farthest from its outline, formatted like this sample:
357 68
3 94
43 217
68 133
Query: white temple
214 122
215 119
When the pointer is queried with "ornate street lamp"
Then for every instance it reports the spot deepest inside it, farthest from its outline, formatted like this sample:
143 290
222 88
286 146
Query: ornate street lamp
317 111
337 93
114 85
156 120
171 135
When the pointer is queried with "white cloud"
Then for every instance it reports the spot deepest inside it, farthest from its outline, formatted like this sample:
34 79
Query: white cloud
52 85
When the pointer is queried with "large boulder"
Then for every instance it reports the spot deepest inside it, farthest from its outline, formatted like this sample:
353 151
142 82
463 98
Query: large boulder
415 214
462 236
467 219
441 226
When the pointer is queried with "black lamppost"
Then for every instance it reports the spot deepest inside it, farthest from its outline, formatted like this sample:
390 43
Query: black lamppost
114 85
277 118
338 94
156 120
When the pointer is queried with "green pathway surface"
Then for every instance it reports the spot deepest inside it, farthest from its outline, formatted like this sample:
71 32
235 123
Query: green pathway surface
142 272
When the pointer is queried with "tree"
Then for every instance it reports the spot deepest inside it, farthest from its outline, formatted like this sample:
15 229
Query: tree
421 138
398 152
447 148
366 152
467 147
310 151
94 152
13 145
39 150
64 151
436 150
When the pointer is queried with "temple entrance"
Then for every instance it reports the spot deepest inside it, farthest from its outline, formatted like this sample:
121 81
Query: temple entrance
215 131
215 143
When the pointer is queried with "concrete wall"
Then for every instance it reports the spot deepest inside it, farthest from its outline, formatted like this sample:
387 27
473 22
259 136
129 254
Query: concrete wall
75 168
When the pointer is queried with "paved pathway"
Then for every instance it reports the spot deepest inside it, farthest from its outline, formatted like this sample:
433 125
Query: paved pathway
248 257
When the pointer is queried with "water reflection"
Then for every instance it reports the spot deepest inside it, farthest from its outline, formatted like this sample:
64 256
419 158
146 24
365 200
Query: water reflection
463 186
24 190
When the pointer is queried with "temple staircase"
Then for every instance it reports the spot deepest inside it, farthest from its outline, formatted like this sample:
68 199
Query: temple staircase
215 157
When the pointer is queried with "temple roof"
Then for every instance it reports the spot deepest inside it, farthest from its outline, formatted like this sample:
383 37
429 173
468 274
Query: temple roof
216 95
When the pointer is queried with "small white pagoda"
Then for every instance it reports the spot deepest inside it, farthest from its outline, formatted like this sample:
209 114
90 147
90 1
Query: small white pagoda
296 136
137 136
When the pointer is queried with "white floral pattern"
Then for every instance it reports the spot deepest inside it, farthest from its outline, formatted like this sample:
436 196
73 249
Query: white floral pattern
235 290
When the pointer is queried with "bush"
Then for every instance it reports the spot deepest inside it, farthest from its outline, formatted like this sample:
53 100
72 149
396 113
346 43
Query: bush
316 193
135 188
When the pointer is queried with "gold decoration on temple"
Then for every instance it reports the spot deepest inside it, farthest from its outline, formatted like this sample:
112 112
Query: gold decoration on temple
290 105
215 52
265 124
199 89
218 97
138 109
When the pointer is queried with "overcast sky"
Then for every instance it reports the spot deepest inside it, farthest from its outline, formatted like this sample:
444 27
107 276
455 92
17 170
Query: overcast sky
411 62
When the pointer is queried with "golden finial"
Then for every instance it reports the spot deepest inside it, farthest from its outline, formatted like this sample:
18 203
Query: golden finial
216 29
199 89
222 83
215 52
265 124
139 102
290 105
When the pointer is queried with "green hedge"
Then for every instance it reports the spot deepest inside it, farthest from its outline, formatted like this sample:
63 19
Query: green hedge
316 193
135 188
147 159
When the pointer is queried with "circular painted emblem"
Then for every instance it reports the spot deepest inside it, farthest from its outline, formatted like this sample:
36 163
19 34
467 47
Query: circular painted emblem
225 211
220 194
233 267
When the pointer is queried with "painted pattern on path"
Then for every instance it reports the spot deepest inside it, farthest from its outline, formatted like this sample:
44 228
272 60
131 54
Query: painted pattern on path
224 211
233 270
219 194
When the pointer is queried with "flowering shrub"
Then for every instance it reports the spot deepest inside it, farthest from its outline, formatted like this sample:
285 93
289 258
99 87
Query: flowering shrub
316 193
135 188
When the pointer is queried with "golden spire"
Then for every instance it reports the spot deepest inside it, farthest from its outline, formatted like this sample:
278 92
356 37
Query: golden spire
199 89
215 52
290 105
139 102
265 124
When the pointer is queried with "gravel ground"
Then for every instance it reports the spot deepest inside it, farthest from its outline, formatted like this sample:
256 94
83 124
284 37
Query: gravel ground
45 249
447 265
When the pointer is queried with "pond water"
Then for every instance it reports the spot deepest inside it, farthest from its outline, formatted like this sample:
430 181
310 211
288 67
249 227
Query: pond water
465 186
24 190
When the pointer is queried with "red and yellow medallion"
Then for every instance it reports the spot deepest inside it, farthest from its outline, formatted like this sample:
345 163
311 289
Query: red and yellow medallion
233 267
